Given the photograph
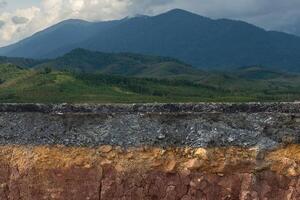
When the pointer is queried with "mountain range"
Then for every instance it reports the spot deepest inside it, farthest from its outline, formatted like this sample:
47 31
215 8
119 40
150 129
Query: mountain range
121 64
199 41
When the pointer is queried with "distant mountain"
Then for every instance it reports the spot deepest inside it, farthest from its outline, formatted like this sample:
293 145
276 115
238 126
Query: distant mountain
125 64
199 41
54 38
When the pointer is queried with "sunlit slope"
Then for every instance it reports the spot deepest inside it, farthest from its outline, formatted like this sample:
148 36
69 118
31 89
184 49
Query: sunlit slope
51 86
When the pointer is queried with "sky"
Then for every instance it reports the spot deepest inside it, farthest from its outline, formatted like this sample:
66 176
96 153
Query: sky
22 18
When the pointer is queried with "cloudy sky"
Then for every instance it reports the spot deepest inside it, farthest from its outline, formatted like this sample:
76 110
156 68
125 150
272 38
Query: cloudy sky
22 18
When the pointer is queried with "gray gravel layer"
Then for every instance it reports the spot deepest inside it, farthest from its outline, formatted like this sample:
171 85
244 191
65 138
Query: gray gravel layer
196 125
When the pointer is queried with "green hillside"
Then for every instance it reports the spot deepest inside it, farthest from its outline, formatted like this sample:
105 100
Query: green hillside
24 62
125 64
57 86
52 86
257 73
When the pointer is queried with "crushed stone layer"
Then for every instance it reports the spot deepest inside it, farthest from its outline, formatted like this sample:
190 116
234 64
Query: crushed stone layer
265 126
107 172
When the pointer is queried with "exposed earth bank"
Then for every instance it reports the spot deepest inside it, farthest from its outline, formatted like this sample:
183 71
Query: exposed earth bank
174 151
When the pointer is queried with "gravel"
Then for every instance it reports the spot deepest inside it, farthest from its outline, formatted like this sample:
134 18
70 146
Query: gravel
264 126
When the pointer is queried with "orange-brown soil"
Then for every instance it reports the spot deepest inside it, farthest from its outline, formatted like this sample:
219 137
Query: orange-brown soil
41 172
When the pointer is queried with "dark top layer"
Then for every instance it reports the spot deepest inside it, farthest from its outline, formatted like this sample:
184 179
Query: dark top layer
154 108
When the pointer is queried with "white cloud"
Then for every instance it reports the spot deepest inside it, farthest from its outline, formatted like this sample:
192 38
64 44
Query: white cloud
12 31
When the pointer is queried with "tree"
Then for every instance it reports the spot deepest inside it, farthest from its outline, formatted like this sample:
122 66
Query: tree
47 70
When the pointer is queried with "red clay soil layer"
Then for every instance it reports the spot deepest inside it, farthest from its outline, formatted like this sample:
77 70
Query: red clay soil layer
80 184
70 173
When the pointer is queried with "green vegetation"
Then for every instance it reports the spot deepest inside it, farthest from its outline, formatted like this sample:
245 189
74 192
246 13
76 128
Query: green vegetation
122 64
53 86
24 62
86 76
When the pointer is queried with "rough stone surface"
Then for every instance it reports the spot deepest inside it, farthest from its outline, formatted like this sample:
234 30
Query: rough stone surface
193 125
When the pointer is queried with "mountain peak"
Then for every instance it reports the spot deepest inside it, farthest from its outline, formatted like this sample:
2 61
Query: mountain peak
73 21
182 13
178 11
